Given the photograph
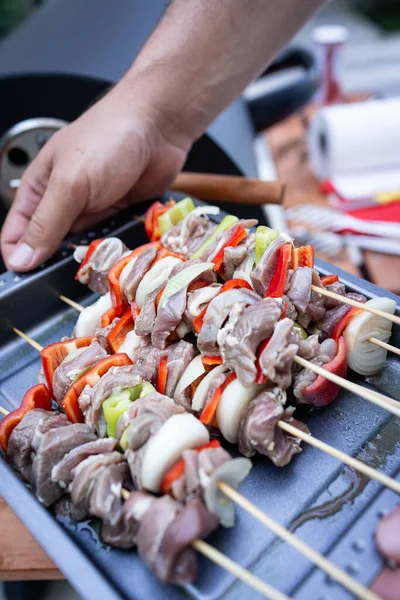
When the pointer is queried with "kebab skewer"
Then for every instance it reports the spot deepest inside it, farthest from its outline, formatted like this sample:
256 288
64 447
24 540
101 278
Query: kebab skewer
68 471
265 415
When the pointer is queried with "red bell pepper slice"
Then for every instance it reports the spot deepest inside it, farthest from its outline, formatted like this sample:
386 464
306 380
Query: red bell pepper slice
179 468
70 402
344 321
210 361
112 313
37 396
117 335
229 285
303 257
329 279
277 284
165 252
151 221
162 375
322 391
238 235
53 355
92 247
209 413
116 270
260 377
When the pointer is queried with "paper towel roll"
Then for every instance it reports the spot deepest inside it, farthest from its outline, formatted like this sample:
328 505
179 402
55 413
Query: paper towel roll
357 146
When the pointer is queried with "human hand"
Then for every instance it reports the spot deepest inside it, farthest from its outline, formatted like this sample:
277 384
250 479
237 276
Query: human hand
114 154
387 584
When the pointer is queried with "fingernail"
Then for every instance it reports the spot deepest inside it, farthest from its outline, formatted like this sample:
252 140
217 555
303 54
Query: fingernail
21 257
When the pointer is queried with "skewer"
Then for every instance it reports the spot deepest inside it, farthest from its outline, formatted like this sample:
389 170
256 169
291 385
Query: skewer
356 304
309 552
356 464
3 411
316 557
72 303
384 402
230 565
384 345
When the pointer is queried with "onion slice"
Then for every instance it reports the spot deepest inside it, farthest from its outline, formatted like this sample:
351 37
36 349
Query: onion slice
155 277
90 318
232 406
231 472
180 432
363 356
200 394
194 370
183 279
130 345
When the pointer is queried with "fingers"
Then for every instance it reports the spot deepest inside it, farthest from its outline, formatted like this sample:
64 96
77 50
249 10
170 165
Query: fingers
387 584
27 198
388 535
42 233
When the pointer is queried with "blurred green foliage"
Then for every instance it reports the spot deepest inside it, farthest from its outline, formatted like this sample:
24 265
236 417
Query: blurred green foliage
386 13
12 12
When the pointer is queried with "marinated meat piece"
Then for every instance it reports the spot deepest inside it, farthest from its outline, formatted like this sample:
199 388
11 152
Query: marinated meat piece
56 419
335 315
225 236
62 473
255 324
261 276
308 348
299 290
234 256
92 398
259 430
123 533
277 358
199 466
145 320
178 357
106 501
95 273
175 561
145 417
142 264
189 234
71 369
216 315
54 445
291 311
198 300
327 351
148 361
102 333
170 314
85 478
165 533
19 449
336 288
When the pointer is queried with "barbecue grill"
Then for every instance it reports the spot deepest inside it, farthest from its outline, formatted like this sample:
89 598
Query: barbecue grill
331 507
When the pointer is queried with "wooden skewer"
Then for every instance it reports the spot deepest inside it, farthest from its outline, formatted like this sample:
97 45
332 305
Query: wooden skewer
384 345
72 303
316 557
4 411
28 339
356 464
356 304
71 245
384 402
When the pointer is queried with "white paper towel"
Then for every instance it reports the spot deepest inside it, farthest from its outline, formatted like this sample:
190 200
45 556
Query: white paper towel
357 147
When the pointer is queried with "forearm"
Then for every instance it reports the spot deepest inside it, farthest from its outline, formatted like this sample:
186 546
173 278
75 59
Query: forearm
204 53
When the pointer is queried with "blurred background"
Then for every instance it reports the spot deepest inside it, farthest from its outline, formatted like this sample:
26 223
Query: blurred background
325 119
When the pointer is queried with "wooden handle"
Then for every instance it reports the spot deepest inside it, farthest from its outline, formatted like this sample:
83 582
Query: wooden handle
229 188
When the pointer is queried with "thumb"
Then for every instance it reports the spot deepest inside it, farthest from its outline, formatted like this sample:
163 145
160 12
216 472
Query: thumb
60 205
388 535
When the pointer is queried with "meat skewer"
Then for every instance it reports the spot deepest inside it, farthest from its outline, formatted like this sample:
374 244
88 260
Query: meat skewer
296 432
335 572
380 400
